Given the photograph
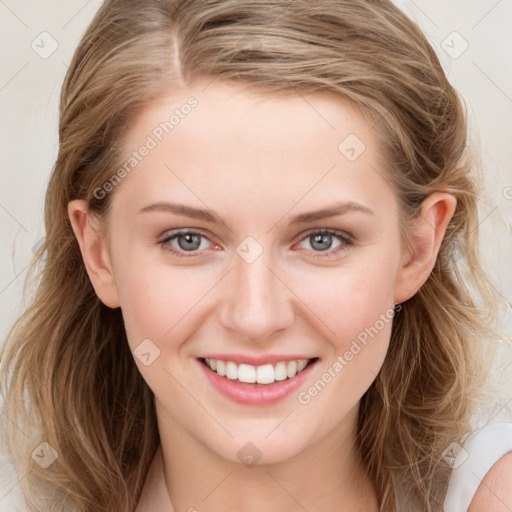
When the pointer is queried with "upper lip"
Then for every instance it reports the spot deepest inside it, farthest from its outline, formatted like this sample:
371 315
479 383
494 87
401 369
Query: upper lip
257 360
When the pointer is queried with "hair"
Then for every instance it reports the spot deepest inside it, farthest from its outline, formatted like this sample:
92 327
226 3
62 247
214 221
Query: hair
68 375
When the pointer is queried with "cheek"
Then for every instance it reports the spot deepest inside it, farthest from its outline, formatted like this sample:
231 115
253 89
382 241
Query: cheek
147 310
159 306
356 313
158 300
349 299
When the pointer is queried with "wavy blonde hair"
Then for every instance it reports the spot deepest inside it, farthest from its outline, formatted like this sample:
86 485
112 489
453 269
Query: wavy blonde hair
68 375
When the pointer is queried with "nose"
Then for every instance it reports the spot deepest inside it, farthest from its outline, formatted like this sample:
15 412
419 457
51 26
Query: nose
257 303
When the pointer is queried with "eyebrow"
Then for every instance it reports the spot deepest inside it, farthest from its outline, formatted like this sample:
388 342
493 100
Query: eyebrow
208 215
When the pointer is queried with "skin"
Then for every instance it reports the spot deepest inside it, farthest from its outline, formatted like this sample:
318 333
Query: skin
257 161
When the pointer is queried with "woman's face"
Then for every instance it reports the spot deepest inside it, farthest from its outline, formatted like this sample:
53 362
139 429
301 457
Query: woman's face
251 183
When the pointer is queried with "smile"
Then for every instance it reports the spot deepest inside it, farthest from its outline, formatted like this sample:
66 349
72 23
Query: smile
264 374
256 385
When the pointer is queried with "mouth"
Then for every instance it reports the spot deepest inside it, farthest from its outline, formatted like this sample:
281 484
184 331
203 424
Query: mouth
262 375
256 384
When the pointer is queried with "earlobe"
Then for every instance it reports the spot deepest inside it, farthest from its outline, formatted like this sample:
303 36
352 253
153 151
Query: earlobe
94 252
426 234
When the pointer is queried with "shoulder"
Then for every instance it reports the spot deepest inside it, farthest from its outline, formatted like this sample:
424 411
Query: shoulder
494 494
481 479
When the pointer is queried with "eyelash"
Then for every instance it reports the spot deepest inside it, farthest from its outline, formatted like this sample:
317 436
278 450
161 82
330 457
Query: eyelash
345 239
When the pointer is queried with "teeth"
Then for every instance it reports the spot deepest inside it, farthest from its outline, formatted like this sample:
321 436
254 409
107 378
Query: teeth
280 371
291 369
265 374
221 367
231 370
246 373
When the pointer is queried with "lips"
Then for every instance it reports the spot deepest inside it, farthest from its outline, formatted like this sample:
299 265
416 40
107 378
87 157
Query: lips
262 374
263 388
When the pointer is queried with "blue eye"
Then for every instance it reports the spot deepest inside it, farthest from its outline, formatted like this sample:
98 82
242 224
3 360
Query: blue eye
321 242
188 241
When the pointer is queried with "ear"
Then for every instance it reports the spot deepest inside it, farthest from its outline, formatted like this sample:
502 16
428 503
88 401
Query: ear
427 233
94 252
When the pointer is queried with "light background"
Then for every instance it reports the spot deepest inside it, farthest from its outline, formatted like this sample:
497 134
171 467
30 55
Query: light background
31 77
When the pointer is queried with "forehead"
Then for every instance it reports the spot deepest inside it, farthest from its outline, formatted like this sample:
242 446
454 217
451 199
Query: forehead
240 148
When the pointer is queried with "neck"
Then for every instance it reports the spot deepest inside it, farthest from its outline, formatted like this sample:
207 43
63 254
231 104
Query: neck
198 479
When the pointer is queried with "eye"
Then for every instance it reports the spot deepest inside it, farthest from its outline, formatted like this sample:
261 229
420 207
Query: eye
321 242
186 241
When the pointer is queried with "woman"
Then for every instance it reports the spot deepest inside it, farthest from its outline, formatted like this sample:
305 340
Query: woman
249 297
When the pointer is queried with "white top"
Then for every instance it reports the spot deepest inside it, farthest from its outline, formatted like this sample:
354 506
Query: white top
470 464
480 452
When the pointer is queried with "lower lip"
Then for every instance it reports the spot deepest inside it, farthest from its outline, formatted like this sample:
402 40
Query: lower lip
256 394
